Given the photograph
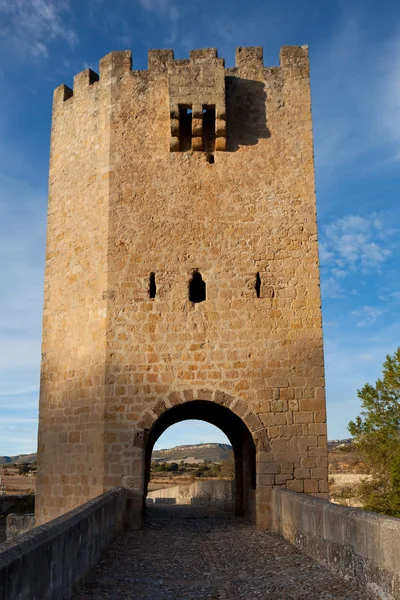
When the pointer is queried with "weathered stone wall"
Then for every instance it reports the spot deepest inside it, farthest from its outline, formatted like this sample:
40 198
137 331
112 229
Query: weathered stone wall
122 206
49 561
18 524
220 493
71 409
20 504
357 544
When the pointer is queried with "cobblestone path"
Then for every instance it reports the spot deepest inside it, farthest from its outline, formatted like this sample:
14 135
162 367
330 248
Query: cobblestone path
186 553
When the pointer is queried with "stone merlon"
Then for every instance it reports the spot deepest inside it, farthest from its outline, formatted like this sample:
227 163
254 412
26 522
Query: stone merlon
117 64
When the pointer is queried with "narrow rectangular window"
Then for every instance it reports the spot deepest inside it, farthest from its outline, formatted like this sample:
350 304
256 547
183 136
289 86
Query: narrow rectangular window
209 128
152 285
258 285
185 127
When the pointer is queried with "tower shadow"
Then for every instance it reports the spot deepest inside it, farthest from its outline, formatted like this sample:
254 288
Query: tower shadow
246 114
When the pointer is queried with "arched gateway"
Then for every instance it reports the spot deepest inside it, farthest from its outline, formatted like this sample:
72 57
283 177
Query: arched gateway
182 275
221 414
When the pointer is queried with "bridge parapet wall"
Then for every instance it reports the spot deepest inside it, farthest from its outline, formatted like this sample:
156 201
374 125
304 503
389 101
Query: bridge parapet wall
357 544
50 560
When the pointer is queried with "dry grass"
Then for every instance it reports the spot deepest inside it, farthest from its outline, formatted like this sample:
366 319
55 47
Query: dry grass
17 484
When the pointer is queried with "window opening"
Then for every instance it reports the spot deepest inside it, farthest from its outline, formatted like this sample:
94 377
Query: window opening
197 288
209 129
210 158
185 128
152 285
258 285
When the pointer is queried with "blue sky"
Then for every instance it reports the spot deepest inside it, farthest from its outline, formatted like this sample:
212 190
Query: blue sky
355 71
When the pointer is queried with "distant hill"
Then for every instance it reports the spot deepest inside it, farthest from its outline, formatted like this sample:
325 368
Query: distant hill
18 459
200 452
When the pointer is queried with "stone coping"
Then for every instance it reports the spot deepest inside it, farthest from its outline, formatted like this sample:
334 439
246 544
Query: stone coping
359 545
48 561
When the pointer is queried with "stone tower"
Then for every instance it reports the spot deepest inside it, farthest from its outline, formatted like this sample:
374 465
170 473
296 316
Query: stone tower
182 275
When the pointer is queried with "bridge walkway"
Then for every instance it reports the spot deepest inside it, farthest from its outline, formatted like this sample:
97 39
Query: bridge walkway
192 553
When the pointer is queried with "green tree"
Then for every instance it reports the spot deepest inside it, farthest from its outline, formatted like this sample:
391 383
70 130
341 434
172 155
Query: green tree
228 467
214 470
157 467
377 435
172 466
23 469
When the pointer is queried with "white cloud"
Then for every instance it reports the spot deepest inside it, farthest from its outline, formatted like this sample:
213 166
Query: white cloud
18 438
337 89
392 298
332 289
387 94
351 246
161 7
367 315
356 92
354 243
29 26
164 10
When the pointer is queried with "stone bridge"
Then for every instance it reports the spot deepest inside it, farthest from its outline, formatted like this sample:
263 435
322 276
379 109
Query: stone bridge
101 550
182 282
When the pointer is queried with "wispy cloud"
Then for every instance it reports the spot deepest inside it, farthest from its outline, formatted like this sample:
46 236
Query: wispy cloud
29 26
392 297
18 437
17 420
161 8
367 315
387 95
355 243
165 11
22 218
356 91
332 288
354 246
337 88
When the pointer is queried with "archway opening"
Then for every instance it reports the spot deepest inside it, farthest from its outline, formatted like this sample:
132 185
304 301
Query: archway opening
192 463
236 432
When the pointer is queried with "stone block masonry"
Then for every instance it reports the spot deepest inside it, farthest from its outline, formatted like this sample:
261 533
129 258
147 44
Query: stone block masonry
49 561
358 545
218 494
181 266
18 524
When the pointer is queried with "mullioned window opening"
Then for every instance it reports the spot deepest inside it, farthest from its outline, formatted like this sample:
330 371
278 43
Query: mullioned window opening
209 129
185 128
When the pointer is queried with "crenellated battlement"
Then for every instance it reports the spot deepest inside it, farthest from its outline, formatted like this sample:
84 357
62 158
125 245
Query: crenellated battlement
118 64
196 87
